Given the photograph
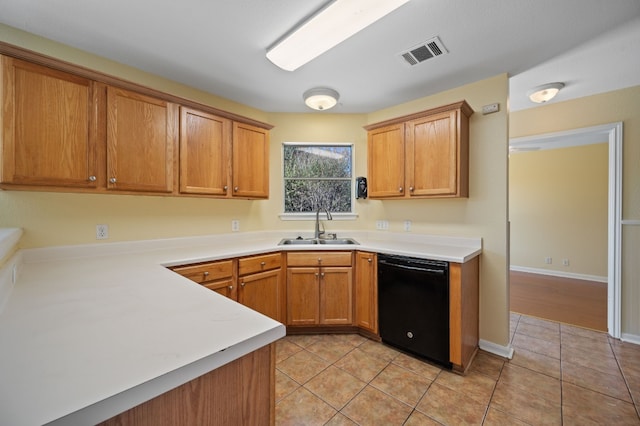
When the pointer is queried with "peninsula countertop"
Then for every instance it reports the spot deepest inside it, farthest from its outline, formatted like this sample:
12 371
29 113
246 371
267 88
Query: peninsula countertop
90 331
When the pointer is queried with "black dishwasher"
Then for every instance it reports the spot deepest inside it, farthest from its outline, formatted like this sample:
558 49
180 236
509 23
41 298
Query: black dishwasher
413 306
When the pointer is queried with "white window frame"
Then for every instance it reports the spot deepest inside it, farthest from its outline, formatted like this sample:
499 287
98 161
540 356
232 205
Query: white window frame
312 215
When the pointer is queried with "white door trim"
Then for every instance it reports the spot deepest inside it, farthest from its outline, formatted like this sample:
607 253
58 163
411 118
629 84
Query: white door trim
584 136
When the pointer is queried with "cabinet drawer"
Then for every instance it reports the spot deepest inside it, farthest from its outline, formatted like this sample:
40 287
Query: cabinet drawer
319 258
253 264
205 272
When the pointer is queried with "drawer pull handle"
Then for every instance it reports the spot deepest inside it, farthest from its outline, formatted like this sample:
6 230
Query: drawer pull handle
322 274
92 178
262 263
400 189
242 284
226 187
319 260
112 180
369 260
230 287
206 273
235 188
316 274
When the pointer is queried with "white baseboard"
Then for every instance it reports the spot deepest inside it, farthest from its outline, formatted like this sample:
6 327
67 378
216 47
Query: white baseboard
631 338
494 348
561 274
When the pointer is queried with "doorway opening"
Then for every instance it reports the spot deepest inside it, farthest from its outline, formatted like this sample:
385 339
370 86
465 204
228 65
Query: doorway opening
612 135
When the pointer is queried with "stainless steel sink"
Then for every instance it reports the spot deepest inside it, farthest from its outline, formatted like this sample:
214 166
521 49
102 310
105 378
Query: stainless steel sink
336 241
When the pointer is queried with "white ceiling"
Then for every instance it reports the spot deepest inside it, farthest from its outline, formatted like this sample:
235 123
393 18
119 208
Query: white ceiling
219 46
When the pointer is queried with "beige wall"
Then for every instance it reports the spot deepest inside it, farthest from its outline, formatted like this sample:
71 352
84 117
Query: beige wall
620 105
558 205
59 219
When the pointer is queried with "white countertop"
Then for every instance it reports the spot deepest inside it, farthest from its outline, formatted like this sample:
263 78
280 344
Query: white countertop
90 331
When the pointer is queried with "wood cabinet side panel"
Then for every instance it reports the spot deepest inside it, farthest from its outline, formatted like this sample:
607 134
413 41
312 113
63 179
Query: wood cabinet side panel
238 393
464 311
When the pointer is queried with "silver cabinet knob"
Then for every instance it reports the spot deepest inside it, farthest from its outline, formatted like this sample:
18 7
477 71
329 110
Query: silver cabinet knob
92 178
316 274
369 260
230 287
226 187
242 284
411 188
322 274
112 180
262 263
206 273
319 260
400 189
235 188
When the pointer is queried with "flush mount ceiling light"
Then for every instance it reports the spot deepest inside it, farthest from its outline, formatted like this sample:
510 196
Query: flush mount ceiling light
321 98
544 93
336 22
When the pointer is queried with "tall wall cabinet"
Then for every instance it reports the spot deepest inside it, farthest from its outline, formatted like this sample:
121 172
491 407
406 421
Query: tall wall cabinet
65 128
422 155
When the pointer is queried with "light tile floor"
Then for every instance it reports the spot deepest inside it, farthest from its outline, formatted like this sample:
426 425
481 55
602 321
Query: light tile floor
559 375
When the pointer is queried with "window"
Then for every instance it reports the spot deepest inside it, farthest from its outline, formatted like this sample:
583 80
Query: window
318 176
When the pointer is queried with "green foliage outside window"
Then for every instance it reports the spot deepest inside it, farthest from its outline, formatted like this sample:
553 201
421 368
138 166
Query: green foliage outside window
317 176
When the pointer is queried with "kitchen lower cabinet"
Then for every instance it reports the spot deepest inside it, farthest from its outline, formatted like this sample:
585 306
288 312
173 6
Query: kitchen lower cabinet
366 291
217 276
260 284
319 288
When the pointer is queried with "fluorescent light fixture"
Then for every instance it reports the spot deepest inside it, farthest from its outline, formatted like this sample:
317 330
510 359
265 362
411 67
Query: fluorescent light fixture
321 98
333 24
544 93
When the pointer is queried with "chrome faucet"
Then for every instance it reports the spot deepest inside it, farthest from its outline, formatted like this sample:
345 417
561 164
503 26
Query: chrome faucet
329 217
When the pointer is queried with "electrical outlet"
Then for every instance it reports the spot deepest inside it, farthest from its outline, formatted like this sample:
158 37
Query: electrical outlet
407 225
102 232
548 260
382 225
235 225
565 262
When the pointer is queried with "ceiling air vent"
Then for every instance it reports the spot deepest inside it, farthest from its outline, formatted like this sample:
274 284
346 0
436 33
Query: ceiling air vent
427 50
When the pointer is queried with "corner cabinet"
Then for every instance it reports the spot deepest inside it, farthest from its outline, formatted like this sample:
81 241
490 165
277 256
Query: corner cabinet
261 286
422 155
49 127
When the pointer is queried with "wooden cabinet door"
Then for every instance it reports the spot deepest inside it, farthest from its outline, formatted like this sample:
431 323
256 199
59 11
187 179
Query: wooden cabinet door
432 155
141 142
303 296
223 287
250 161
366 291
205 143
386 165
336 296
262 292
49 127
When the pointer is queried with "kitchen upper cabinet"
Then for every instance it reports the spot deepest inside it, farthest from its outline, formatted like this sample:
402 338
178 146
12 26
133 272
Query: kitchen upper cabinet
141 142
319 288
386 162
217 276
261 286
49 127
205 143
421 155
366 291
250 161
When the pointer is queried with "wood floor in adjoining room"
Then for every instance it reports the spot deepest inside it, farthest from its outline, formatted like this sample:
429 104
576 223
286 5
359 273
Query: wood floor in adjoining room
571 301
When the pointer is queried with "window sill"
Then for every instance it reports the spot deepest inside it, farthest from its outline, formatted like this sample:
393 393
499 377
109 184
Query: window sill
312 216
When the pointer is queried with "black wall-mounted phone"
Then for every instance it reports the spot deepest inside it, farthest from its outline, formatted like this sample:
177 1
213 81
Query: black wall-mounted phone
361 187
